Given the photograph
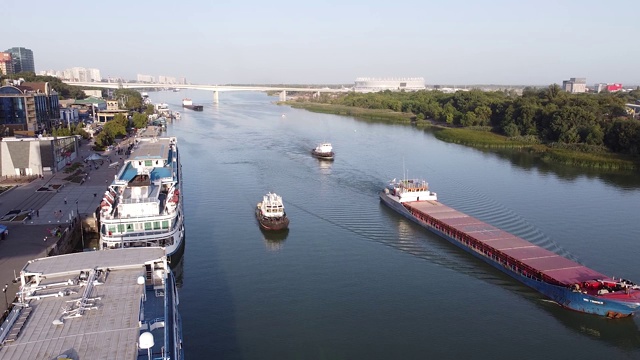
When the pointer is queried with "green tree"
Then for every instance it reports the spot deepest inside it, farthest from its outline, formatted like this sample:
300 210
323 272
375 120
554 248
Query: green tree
116 127
483 114
139 120
130 99
553 91
511 130
595 135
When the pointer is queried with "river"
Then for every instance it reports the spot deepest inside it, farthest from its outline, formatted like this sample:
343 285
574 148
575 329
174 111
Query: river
353 279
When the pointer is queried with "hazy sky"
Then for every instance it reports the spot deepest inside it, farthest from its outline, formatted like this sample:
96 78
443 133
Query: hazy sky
313 41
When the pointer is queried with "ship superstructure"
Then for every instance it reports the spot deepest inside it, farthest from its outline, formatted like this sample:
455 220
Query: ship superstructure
143 205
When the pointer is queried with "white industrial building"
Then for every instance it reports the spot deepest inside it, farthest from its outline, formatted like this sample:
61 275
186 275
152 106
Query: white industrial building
366 84
575 85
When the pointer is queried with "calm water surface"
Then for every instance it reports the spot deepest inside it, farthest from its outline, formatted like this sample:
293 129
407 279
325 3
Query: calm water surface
354 280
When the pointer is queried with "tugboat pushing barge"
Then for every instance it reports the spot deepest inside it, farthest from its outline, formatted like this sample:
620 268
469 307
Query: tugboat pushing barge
564 281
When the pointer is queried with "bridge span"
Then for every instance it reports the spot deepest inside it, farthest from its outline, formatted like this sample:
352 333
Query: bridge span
215 88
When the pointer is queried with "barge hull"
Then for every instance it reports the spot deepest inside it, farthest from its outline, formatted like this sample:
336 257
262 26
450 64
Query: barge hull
511 255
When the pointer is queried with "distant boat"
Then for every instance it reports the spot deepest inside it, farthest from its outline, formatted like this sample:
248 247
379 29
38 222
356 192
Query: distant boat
270 213
323 151
187 103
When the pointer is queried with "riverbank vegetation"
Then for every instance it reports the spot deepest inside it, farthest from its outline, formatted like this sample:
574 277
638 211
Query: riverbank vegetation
592 130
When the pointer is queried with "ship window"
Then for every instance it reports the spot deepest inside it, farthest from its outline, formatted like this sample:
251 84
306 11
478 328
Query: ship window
165 224
111 228
147 226
129 227
156 225
148 163
120 228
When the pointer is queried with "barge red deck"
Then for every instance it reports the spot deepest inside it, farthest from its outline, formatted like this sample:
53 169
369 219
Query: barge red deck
502 246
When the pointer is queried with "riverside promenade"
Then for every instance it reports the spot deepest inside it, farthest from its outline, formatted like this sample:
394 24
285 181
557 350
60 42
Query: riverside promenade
52 202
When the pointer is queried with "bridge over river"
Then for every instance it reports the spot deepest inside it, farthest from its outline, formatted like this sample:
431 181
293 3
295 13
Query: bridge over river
215 88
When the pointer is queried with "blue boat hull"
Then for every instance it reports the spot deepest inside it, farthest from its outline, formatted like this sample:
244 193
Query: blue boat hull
564 296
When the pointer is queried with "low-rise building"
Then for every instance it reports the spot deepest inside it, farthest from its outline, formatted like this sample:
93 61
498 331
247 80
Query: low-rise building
69 115
393 84
30 107
88 108
36 156
113 109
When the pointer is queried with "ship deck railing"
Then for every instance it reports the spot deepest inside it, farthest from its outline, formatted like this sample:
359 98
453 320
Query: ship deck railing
143 234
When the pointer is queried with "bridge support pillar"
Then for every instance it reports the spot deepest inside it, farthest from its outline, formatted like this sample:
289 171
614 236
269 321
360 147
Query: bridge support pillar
216 99
283 95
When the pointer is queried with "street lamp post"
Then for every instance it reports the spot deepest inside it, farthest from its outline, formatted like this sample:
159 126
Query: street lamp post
81 229
4 290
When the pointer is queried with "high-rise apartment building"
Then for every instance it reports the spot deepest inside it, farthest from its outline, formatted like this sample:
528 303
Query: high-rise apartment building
162 79
145 78
22 59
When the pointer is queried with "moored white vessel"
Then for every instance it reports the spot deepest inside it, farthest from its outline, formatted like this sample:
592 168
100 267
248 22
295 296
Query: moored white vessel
143 205
120 304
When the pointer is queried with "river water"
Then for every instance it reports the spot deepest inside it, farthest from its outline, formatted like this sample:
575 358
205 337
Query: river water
353 279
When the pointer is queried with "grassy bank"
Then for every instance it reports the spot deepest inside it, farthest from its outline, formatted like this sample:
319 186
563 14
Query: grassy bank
481 139
381 115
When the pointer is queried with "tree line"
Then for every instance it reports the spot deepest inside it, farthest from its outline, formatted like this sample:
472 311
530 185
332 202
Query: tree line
585 122
64 91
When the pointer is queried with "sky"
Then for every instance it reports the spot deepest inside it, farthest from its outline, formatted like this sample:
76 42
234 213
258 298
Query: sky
448 42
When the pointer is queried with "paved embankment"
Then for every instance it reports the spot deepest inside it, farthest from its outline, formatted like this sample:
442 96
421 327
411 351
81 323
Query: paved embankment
52 203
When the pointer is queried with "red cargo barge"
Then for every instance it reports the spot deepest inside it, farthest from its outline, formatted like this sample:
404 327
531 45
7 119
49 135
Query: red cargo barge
566 282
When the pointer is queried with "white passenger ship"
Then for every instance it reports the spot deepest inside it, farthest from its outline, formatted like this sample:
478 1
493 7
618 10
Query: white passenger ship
143 205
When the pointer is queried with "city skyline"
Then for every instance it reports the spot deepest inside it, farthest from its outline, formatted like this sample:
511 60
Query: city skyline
460 42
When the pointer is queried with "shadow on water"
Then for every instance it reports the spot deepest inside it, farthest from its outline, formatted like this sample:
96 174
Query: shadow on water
274 240
620 178
177 266
622 333
625 179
